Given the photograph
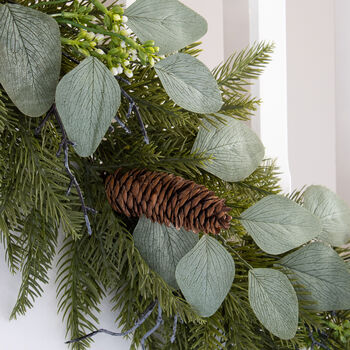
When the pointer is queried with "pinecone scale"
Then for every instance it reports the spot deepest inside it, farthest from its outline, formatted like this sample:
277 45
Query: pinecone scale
167 199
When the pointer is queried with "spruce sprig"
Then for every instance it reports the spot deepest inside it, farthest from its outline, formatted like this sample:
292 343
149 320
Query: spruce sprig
38 246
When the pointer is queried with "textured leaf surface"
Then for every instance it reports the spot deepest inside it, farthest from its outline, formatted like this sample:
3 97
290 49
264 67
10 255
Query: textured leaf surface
30 58
169 23
277 224
320 270
236 149
205 275
87 99
333 212
189 83
163 247
274 301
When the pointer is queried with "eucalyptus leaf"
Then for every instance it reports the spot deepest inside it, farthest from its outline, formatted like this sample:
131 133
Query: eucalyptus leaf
189 83
274 301
205 275
277 224
325 277
236 150
30 51
163 247
333 212
87 99
171 24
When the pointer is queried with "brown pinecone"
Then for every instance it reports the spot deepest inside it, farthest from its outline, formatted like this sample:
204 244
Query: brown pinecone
166 198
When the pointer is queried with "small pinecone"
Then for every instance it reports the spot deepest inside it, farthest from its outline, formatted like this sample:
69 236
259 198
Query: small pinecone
166 198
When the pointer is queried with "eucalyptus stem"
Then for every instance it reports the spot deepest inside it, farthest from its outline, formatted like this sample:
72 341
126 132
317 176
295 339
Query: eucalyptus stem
64 145
137 324
43 122
92 29
315 342
133 107
65 54
151 331
227 246
47 3
173 336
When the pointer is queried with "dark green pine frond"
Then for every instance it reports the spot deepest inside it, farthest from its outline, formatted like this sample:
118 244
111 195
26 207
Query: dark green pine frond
297 195
237 72
262 182
33 176
193 49
38 239
210 335
78 291
241 107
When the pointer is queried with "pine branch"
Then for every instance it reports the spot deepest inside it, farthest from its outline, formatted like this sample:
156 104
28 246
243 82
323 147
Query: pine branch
39 239
236 74
209 335
78 291
32 176
240 68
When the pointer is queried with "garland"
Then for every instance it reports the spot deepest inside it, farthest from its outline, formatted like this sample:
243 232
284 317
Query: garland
171 207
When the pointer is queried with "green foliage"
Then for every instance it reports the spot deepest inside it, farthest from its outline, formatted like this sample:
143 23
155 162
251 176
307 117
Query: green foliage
278 224
78 291
189 83
323 275
33 204
32 178
87 99
205 275
274 301
30 59
333 212
163 247
236 150
164 22
236 74
38 242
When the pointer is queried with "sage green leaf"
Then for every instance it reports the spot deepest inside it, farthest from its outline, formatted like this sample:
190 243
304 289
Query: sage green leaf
87 99
325 277
163 247
189 83
30 52
277 224
236 150
333 212
274 301
171 24
205 275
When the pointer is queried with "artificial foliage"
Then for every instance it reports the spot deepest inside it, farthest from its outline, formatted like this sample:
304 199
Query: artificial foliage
87 89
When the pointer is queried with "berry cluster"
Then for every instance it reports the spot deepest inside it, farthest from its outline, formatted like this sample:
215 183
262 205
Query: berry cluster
107 37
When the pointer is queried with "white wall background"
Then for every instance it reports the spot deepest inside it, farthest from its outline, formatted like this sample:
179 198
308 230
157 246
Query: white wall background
311 92
342 99
305 121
